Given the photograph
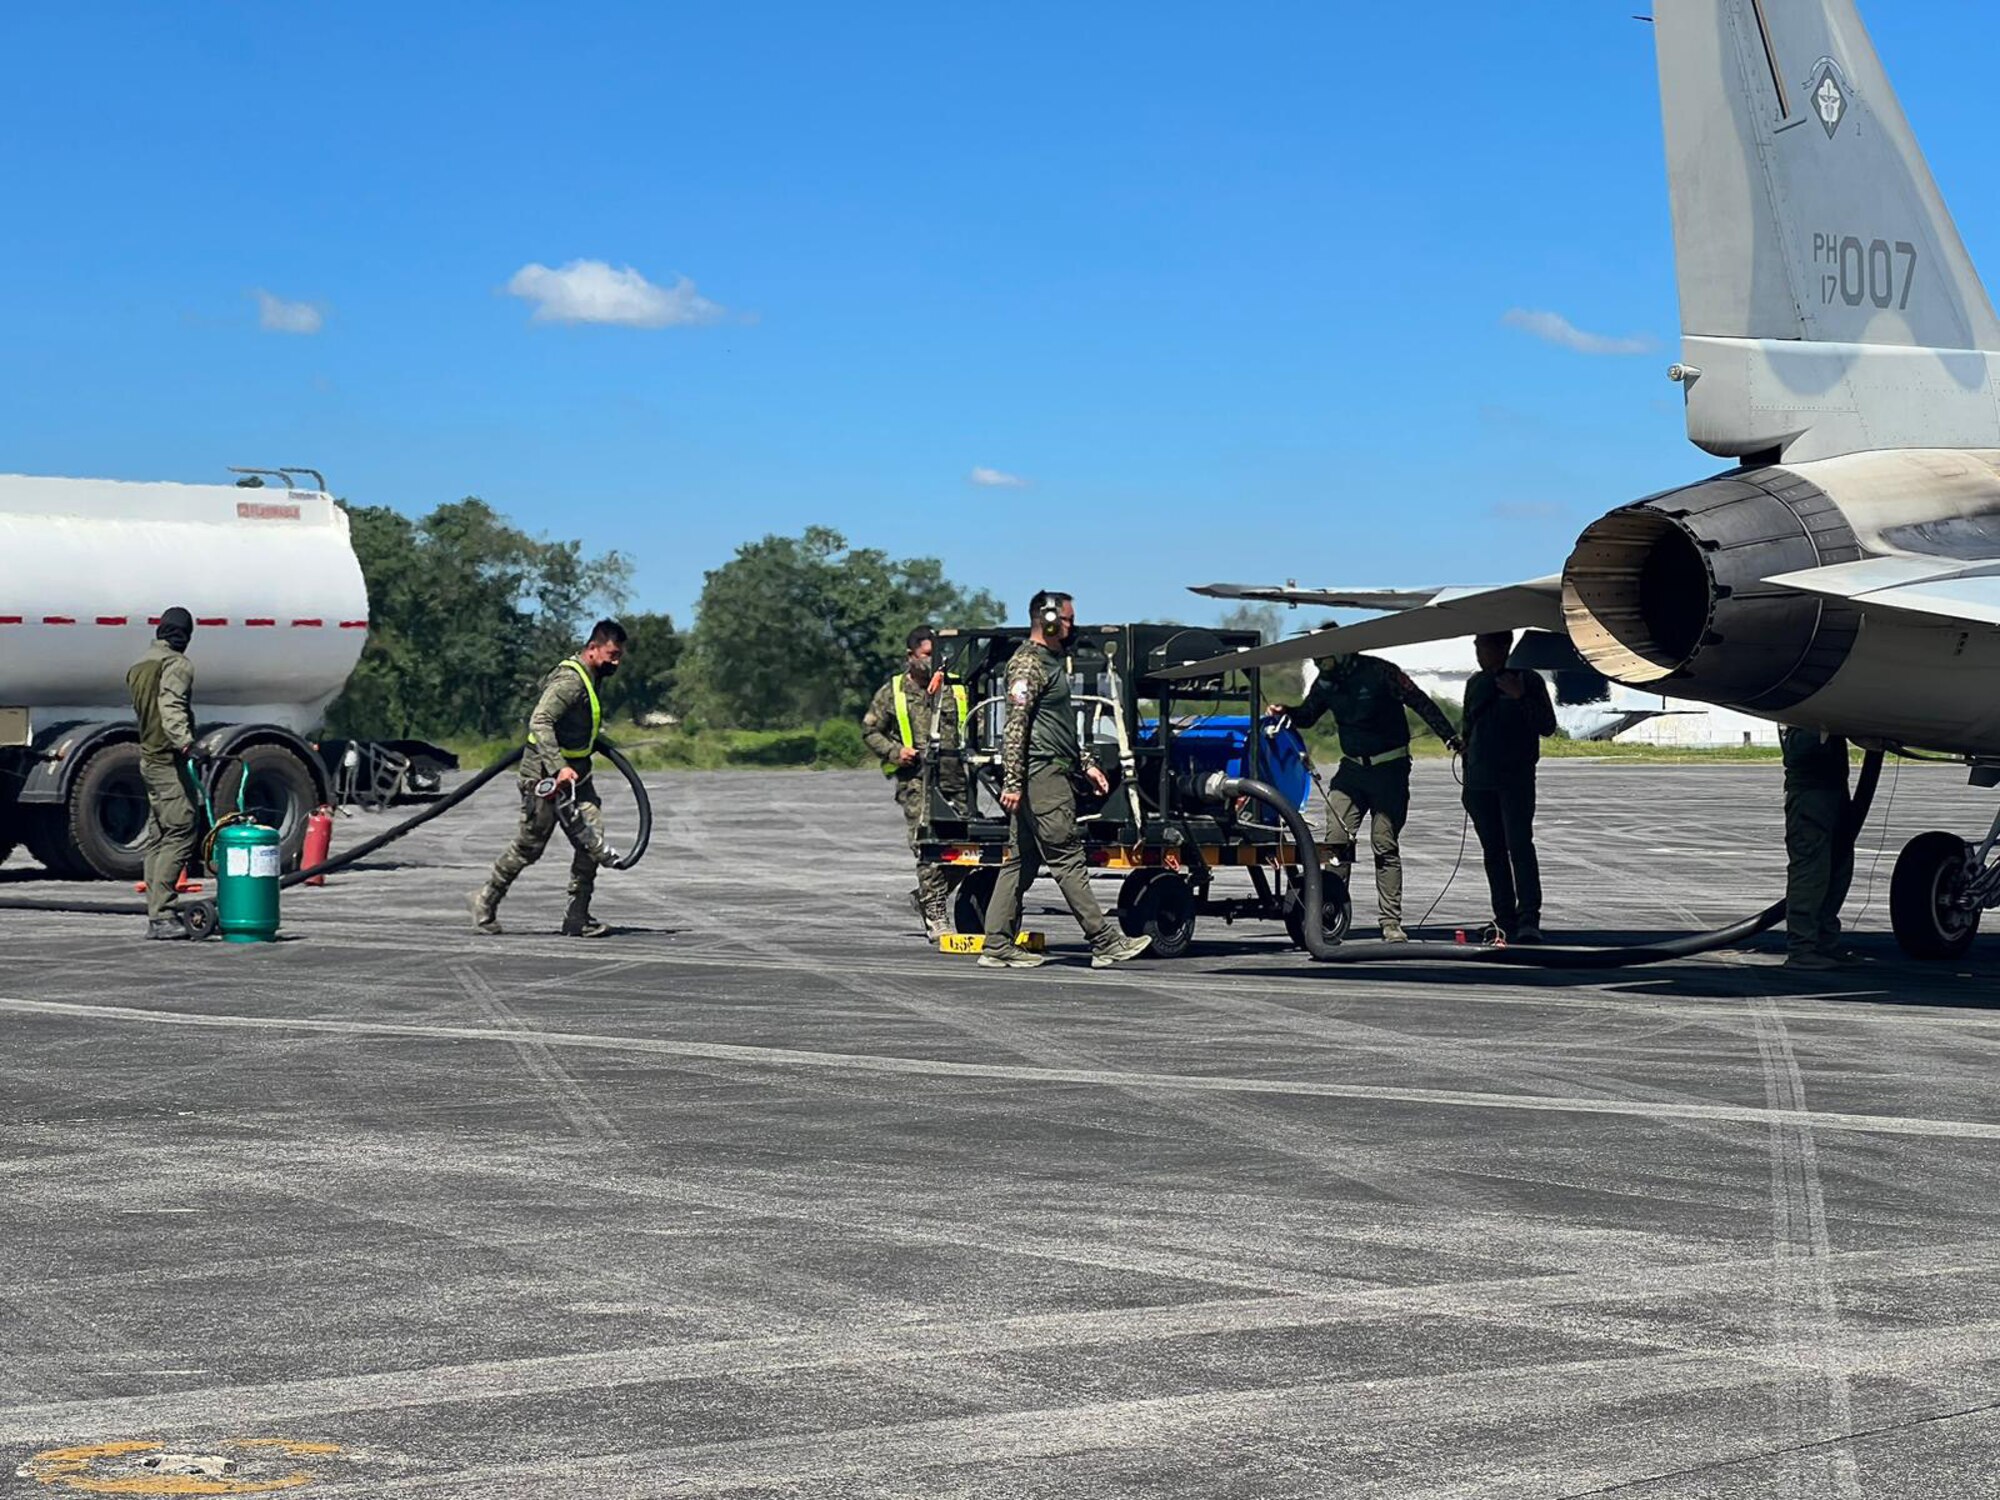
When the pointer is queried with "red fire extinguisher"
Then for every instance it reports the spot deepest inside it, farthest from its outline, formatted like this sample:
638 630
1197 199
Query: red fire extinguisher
319 842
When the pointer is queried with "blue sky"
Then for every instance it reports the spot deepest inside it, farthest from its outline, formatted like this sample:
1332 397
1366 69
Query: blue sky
1228 293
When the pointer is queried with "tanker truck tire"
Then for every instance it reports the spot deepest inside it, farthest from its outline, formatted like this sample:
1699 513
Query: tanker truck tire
106 814
281 794
48 839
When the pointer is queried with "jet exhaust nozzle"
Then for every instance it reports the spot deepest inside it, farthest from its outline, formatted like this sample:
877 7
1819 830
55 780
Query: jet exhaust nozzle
1669 592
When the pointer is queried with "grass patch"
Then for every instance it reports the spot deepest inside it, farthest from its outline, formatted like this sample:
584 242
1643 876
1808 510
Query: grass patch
825 748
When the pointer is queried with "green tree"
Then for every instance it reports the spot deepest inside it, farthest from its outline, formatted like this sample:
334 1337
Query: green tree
646 682
796 630
1282 684
465 614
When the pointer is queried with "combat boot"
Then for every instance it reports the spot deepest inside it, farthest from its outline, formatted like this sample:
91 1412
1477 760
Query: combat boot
485 905
579 923
1114 947
1392 931
167 929
936 923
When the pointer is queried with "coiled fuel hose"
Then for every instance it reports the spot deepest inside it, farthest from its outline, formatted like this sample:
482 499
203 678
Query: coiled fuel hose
366 847
1535 957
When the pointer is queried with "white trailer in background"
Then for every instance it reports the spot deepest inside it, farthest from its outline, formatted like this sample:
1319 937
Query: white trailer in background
281 614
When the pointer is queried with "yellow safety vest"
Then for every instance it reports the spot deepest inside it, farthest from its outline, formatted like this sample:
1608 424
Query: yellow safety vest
596 713
903 715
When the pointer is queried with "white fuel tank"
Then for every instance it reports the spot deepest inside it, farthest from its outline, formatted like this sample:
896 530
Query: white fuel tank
87 565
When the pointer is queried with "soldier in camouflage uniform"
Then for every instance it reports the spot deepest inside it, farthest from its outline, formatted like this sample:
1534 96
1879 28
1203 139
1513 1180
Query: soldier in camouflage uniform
1366 696
898 729
562 731
1819 847
1041 752
162 686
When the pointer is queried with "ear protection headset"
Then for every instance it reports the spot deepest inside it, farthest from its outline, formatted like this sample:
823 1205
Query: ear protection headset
1051 614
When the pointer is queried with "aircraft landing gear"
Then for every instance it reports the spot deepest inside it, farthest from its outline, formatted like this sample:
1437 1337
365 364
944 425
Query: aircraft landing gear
1941 886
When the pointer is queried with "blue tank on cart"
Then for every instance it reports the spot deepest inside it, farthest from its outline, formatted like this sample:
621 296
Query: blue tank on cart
1217 744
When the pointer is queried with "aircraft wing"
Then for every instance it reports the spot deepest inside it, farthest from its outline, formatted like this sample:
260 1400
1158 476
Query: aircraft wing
1448 613
1963 593
1264 593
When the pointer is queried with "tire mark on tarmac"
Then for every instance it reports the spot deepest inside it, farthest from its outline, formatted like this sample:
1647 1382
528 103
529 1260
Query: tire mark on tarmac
1909 1353
1816 1398
1359 1416
559 1086
788 1057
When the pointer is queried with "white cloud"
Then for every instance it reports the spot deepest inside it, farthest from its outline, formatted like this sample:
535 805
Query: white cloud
593 291
1554 328
997 479
276 315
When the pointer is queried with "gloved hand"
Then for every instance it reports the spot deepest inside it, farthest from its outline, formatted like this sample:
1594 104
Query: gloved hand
1455 745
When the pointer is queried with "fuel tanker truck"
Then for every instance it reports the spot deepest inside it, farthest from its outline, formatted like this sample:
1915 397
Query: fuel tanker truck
281 614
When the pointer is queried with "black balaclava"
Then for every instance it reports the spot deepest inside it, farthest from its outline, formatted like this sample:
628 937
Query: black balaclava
176 628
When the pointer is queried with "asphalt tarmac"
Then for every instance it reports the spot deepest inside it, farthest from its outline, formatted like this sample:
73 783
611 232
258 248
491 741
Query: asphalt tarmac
761 1197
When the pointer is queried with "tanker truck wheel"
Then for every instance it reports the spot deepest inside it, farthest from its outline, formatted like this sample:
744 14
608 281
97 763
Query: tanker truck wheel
48 839
106 815
280 794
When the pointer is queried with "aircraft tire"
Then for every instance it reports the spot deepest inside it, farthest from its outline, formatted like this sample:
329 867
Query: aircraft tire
1928 873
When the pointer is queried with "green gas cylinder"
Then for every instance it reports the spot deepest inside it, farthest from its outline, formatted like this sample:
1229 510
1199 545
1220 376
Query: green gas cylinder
246 860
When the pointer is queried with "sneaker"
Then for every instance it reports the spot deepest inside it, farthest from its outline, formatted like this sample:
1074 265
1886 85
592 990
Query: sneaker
1810 960
935 928
1531 932
1392 932
167 929
1012 956
485 911
1117 949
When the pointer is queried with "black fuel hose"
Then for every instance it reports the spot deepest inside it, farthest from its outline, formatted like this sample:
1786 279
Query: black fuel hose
444 805
1312 930
366 847
1537 956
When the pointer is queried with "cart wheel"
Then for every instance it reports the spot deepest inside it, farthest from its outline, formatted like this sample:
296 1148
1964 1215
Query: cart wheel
1923 897
198 917
1128 896
1336 912
974 894
1161 907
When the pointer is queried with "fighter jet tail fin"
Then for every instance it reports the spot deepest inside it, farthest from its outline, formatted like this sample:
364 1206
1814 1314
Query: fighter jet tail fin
1802 207
1819 268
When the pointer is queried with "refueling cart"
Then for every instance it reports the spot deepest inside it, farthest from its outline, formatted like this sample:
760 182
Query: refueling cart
1178 852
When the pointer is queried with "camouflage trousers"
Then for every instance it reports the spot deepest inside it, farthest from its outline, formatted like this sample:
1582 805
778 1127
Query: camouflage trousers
1043 830
538 822
1819 867
170 832
933 890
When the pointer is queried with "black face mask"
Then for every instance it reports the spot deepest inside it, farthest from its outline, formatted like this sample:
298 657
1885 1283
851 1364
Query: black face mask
178 639
608 669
